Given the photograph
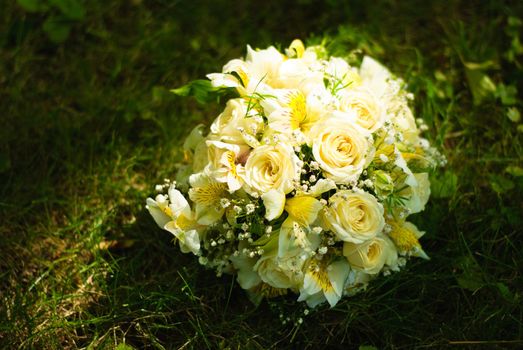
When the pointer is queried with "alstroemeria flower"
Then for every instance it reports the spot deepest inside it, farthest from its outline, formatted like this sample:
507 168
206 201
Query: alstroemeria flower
224 161
206 194
174 215
324 282
294 114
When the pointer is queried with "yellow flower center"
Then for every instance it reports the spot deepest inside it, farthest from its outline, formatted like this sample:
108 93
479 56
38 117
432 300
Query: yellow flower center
231 160
320 275
373 251
210 194
167 211
404 238
184 223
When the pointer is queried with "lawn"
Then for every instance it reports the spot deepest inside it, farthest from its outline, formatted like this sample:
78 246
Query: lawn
89 126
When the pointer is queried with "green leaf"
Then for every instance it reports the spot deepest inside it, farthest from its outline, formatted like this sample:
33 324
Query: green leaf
71 9
500 184
367 347
57 29
507 94
513 114
514 170
481 86
471 276
123 346
505 292
202 90
444 185
31 5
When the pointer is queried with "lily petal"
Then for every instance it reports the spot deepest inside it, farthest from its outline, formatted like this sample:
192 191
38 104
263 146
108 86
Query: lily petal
274 202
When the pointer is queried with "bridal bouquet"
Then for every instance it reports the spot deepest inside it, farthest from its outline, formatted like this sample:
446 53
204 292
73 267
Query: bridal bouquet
305 181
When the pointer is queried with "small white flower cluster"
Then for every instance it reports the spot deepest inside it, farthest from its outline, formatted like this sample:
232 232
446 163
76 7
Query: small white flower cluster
306 179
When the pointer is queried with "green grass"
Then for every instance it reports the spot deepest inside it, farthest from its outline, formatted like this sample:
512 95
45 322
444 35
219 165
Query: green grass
88 127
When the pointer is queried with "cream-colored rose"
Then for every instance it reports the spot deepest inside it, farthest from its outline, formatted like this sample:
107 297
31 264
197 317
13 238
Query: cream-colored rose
365 107
280 272
234 126
354 216
372 255
341 148
272 167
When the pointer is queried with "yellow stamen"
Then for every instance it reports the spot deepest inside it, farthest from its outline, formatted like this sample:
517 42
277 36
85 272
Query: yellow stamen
167 211
403 237
185 223
210 194
231 158
298 111
320 275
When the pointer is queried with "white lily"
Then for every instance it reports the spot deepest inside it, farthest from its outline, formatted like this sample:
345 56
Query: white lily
324 282
274 203
295 230
294 114
174 215
255 74
225 165
206 194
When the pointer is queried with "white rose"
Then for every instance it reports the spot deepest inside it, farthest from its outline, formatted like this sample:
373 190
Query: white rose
272 167
372 255
354 217
365 107
341 148
280 272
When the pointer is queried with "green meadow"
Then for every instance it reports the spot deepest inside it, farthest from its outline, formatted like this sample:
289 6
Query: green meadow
88 126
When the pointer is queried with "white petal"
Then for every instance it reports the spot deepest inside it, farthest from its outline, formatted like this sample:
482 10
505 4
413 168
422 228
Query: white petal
332 297
192 241
338 273
322 186
247 277
274 202
375 75
158 215
179 204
